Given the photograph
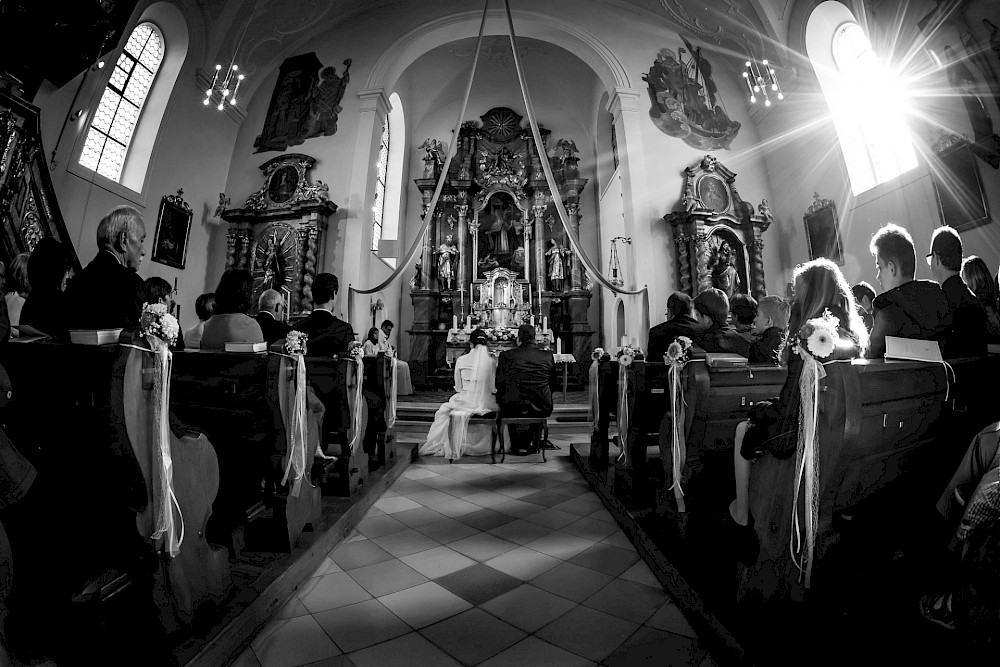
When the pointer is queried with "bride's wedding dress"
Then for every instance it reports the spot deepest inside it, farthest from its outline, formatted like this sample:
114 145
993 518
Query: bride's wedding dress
450 435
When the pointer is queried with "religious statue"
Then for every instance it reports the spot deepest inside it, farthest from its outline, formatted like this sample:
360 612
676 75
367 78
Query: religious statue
325 108
725 276
447 254
434 150
765 210
488 263
502 161
224 202
416 282
557 270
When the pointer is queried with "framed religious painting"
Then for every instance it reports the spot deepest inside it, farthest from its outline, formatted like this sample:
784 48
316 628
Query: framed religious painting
823 231
173 226
958 187
714 193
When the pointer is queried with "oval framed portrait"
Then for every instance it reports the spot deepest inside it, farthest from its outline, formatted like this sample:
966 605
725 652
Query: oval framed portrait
283 184
713 193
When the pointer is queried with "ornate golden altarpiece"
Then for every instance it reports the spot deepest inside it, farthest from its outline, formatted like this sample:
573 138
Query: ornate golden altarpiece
278 234
718 236
495 224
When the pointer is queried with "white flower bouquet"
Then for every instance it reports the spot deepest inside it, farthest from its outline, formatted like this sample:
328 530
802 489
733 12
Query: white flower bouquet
629 353
156 321
295 342
356 351
818 336
597 353
678 352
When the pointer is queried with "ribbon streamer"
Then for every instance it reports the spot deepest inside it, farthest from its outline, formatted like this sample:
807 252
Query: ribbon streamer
622 416
390 407
678 446
165 501
595 392
803 542
358 398
295 423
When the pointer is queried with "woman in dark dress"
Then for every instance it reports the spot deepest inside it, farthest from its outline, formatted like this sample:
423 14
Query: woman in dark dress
977 276
773 426
46 309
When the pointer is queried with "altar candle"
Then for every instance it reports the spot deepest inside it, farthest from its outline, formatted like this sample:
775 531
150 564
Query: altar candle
530 301
468 323
624 341
454 322
462 293
545 324
532 320
558 345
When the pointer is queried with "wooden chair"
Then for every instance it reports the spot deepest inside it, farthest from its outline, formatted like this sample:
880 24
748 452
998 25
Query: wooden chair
487 419
539 441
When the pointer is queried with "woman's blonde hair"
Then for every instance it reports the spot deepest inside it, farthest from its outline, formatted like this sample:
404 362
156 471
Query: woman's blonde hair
820 286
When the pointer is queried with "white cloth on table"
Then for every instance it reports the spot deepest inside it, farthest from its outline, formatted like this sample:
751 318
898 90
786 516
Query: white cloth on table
475 383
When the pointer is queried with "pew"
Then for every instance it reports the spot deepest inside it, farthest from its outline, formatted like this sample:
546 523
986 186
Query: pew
199 576
377 388
335 382
234 398
887 438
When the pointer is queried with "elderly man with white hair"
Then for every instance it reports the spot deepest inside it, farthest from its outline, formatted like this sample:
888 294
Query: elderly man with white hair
270 307
108 293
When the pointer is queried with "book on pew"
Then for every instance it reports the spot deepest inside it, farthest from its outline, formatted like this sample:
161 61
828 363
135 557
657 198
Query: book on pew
911 349
27 334
246 347
94 336
725 360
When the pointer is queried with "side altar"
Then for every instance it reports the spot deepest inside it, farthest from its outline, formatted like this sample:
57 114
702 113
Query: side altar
495 255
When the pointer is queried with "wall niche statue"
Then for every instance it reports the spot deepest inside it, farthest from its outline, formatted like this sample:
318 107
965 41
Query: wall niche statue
305 103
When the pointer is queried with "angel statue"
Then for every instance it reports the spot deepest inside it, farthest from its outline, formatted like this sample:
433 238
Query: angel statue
416 282
564 149
223 204
765 210
447 255
557 269
434 149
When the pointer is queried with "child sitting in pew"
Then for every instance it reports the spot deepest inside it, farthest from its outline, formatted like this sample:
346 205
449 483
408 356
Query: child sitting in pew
774 425
742 314
158 290
770 328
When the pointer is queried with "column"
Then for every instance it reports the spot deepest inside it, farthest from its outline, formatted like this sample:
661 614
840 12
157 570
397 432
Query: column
539 212
463 276
575 277
527 245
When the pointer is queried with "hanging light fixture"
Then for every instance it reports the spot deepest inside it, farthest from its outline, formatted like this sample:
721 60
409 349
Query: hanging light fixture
225 86
615 274
761 85
222 91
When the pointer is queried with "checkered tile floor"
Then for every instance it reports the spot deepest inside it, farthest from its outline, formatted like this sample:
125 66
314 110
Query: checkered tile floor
480 564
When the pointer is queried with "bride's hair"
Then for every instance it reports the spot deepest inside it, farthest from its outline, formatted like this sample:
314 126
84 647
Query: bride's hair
477 337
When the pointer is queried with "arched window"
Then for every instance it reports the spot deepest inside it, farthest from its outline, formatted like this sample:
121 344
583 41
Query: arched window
867 100
115 120
381 167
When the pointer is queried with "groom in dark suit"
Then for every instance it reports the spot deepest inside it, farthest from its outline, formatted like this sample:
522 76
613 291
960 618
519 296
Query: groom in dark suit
523 384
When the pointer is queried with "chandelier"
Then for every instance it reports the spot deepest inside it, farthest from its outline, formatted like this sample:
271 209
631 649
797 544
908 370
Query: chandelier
221 90
766 84
616 276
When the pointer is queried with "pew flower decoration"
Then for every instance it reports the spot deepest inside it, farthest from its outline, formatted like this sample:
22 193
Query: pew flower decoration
356 351
819 335
679 351
597 354
156 321
295 342
629 353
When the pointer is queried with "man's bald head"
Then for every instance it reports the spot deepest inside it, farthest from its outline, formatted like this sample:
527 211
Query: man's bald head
271 301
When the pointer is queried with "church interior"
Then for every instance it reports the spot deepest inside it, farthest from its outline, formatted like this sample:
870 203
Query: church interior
625 151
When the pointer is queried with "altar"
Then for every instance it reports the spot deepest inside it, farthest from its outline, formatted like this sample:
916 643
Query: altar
494 255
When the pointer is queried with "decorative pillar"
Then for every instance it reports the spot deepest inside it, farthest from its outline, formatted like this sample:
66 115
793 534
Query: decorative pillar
309 270
575 279
526 225
539 211
463 276
474 230
757 286
681 243
702 257
230 248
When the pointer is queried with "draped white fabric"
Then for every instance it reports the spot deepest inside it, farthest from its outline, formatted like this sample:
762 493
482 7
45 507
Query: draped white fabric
475 385
293 412
803 540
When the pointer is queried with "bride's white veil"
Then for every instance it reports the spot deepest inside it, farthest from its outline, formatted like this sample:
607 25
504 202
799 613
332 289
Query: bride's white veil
483 376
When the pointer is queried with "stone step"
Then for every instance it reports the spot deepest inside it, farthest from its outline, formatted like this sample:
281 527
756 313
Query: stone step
408 430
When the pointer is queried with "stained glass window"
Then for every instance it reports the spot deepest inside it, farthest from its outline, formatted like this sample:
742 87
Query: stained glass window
117 115
380 170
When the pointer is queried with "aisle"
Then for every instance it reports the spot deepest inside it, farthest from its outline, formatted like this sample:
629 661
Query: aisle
472 563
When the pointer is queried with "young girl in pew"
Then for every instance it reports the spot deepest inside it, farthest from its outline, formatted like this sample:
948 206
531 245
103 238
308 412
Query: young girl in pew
774 425
769 328
158 290
371 346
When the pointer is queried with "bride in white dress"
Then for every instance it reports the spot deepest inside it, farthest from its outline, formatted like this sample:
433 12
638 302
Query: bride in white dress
475 374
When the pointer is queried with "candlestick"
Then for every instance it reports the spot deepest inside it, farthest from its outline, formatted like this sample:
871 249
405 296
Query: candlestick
531 307
462 293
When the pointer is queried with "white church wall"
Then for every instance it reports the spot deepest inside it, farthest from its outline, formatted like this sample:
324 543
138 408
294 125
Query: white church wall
192 151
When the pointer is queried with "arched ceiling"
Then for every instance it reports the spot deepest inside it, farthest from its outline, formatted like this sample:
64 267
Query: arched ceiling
265 32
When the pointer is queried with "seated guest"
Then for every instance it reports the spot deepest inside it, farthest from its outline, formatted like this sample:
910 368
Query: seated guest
773 426
204 306
523 386
270 307
328 335
966 336
230 322
680 322
159 290
864 295
46 309
770 329
907 308
971 501
711 307
108 293
16 286
404 387
977 276
371 346
743 312
450 434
